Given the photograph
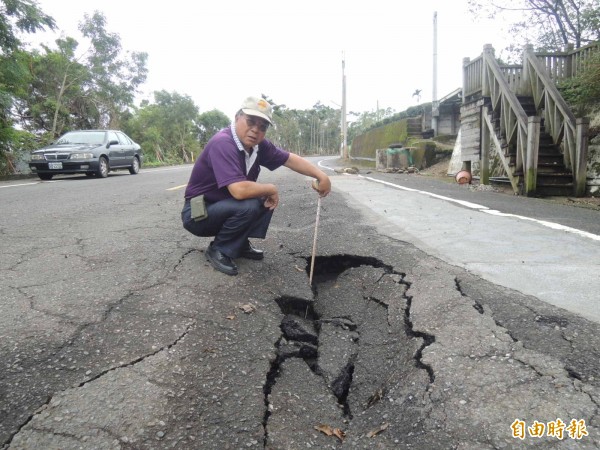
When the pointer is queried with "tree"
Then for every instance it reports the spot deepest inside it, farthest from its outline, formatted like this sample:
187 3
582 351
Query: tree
20 16
316 130
15 16
81 90
209 123
167 129
56 96
115 78
548 24
417 94
368 120
287 132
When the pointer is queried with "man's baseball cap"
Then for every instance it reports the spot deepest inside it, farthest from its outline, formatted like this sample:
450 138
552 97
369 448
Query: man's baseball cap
254 106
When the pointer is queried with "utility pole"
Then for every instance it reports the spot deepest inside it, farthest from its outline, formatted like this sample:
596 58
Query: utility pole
344 125
434 101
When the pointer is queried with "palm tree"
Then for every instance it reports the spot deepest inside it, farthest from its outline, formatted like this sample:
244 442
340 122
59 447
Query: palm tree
417 94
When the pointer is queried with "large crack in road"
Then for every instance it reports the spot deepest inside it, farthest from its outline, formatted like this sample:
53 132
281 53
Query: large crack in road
352 352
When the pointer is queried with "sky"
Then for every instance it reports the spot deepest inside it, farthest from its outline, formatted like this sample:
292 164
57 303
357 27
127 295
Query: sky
219 53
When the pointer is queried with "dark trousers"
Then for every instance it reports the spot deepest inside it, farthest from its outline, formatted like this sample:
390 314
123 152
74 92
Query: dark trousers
231 222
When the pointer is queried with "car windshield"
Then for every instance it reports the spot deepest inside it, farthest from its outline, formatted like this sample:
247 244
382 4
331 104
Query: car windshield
88 137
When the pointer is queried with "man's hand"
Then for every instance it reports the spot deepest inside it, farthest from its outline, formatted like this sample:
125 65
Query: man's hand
322 186
272 201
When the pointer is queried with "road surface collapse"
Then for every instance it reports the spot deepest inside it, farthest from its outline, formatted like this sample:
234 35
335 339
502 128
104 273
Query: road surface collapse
352 354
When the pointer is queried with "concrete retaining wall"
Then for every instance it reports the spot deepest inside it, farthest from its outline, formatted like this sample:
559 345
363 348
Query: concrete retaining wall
593 167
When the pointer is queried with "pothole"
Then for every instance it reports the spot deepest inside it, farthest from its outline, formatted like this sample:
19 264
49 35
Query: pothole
330 267
356 344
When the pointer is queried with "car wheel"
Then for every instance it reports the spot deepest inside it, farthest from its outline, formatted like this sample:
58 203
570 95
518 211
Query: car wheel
135 166
45 176
102 171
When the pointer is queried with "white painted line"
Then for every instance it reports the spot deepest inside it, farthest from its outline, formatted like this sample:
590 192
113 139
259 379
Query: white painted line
22 184
554 226
324 167
430 194
175 188
164 169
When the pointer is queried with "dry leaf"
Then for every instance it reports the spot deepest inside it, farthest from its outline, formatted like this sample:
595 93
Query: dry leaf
324 429
330 431
377 430
339 434
248 308
298 269
230 317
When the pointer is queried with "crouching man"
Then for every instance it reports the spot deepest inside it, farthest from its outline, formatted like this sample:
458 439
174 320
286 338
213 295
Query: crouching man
223 198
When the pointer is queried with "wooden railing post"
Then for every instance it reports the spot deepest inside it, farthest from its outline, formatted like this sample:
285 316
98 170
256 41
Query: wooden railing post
581 155
484 171
485 83
526 87
569 61
531 158
465 81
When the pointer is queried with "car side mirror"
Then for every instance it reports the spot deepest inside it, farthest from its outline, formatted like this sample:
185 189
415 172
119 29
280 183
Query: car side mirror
113 142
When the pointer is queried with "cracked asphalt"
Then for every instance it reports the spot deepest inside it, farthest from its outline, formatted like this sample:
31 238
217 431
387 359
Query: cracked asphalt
116 334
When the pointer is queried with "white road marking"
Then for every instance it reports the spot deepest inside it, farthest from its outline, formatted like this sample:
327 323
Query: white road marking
175 188
21 184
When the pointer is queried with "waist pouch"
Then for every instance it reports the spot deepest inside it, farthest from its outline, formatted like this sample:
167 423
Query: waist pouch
198 208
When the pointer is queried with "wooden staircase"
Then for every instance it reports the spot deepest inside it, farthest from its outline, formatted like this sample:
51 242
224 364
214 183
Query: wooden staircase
541 145
553 177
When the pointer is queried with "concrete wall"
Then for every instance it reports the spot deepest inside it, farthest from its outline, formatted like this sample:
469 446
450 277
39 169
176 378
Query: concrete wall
449 120
593 167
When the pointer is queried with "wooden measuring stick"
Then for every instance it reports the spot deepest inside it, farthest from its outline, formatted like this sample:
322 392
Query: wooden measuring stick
314 249
315 185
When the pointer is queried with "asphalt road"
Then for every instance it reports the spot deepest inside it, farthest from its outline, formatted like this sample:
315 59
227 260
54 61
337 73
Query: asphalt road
115 332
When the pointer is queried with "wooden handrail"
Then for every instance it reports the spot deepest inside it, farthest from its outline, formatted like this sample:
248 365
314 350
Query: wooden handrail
564 128
472 76
560 121
549 86
515 126
578 56
492 136
558 65
505 90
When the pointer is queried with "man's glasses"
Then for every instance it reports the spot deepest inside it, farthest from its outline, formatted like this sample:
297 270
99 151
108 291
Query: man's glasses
260 124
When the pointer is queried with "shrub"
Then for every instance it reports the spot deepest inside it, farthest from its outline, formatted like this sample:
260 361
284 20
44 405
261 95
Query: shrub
582 92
